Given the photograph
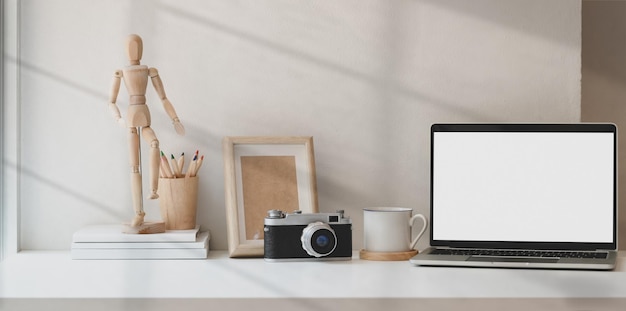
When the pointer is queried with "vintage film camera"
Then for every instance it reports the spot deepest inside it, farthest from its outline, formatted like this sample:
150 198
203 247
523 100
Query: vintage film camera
298 236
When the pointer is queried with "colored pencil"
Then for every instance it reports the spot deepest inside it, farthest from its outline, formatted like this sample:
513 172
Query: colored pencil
167 171
181 162
198 165
192 166
175 167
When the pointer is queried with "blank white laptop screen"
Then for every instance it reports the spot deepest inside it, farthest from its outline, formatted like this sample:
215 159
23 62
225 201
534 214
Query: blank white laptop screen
523 186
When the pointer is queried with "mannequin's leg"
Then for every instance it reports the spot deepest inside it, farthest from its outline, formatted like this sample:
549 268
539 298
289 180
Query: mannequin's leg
135 177
150 137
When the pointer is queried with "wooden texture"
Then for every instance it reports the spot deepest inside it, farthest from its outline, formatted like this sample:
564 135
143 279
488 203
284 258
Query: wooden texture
138 120
146 228
134 48
178 199
387 256
237 246
167 105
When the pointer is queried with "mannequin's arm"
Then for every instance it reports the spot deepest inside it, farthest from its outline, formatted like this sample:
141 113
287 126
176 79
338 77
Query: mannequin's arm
115 89
169 108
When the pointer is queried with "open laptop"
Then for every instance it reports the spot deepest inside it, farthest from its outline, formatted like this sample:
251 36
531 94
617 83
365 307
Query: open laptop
523 196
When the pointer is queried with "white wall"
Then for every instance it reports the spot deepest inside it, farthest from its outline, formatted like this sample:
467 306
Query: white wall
364 78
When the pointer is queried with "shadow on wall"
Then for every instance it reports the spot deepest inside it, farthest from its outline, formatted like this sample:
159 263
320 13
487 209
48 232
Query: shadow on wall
24 172
603 84
384 82
518 16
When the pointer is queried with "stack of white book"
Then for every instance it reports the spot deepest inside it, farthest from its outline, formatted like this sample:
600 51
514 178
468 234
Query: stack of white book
109 242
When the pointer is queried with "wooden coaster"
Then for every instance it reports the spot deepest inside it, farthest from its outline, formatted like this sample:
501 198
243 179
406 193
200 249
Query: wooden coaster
145 228
387 256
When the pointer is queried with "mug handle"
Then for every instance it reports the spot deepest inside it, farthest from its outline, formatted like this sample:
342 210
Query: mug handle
419 235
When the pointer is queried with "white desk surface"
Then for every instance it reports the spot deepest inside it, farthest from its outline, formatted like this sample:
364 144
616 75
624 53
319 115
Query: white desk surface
43 274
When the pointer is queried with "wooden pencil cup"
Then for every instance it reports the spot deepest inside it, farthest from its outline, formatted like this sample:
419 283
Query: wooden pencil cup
178 199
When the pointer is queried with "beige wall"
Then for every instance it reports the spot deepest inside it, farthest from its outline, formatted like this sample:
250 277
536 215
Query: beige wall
365 78
604 76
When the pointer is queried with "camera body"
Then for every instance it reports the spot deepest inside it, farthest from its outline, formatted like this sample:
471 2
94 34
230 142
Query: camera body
298 236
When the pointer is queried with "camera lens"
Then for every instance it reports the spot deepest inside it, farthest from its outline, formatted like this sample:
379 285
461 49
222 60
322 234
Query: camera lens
322 241
318 239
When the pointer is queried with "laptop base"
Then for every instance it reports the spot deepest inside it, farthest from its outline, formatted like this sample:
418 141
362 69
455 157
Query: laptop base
426 258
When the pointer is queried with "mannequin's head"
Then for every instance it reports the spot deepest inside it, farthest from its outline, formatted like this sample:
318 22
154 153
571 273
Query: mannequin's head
134 48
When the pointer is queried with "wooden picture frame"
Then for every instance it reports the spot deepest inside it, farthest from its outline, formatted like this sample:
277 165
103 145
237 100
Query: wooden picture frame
263 173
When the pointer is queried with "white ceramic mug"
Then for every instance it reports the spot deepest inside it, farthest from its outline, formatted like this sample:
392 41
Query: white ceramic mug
388 229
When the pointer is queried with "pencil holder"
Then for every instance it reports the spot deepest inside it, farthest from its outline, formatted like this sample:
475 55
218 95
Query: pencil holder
178 202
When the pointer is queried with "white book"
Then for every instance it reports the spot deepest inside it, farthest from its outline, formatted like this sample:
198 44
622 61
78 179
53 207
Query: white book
106 250
139 253
115 234
201 242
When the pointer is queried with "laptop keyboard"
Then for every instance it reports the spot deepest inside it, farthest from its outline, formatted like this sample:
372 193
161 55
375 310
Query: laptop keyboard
520 253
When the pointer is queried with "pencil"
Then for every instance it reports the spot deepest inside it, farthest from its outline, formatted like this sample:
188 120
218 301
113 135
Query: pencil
198 164
165 166
192 166
175 167
181 162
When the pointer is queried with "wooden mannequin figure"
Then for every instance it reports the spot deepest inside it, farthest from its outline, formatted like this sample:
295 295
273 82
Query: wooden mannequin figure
135 78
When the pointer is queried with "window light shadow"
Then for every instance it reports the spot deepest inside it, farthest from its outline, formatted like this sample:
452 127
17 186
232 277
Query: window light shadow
382 83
